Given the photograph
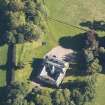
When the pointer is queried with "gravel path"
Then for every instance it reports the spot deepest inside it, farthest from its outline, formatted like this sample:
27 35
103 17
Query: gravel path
59 52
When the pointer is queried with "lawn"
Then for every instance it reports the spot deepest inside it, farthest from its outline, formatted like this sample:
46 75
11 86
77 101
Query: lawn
76 11
3 59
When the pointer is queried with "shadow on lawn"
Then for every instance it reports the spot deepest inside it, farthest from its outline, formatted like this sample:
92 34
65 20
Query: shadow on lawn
3 67
11 58
76 42
102 41
3 26
76 84
36 65
2 40
96 25
3 95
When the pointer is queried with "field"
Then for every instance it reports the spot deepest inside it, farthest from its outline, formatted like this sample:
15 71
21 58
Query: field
73 12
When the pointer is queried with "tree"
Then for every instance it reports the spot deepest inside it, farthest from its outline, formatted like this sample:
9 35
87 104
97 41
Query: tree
16 19
15 5
43 100
67 95
91 37
92 63
17 14
17 93
77 97
90 88
88 54
39 96
30 31
61 97
91 53
10 37
43 97
20 38
95 67
30 9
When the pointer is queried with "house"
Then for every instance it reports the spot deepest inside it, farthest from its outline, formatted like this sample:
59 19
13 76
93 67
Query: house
55 66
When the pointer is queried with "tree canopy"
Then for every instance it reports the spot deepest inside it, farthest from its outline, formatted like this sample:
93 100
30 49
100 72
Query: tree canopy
19 16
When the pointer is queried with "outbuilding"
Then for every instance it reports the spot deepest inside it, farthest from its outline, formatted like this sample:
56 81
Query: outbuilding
55 66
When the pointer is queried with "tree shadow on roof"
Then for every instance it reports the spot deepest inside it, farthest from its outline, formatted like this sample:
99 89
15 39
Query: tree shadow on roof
96 25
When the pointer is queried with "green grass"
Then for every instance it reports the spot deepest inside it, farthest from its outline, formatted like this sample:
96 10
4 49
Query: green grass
2 78
3 59
25 52
76 11
3 54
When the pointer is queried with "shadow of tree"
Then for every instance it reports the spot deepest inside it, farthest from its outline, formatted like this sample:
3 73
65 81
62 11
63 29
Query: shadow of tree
11 58
74 85
3 95
2 40
96 25
102 62
102 41
3 25
76 42
77 64
3 67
